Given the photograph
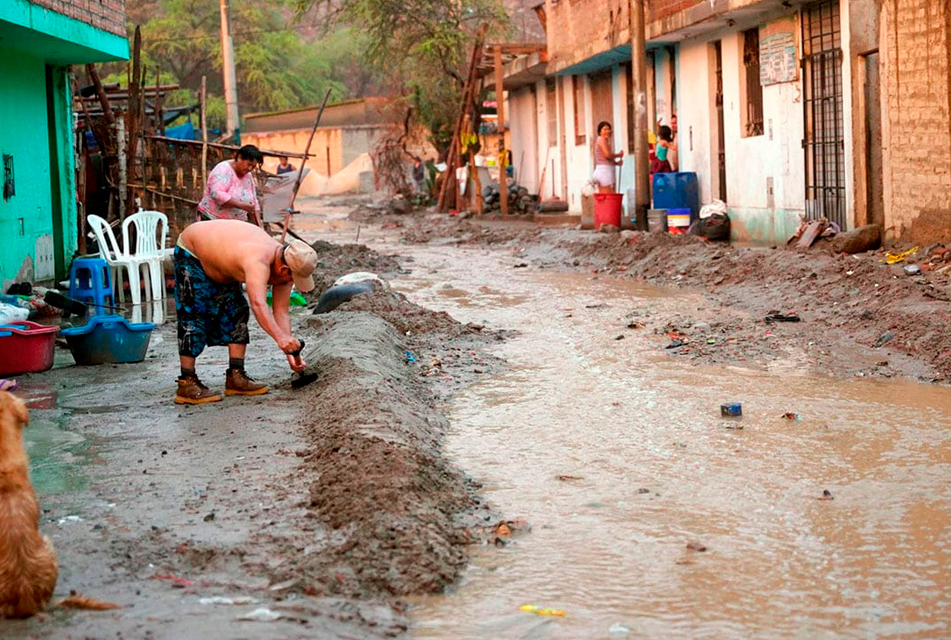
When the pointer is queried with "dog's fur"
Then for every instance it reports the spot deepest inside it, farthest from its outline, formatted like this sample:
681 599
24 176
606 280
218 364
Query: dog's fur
28 567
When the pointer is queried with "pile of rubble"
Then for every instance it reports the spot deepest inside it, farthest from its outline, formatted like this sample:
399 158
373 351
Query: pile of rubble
520 201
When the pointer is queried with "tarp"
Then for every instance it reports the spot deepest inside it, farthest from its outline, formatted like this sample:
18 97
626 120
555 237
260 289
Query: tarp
182 132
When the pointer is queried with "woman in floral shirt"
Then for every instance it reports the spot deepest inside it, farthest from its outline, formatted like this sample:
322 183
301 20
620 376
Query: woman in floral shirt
230 192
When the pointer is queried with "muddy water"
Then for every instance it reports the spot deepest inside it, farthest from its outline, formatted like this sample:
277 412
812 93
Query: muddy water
618 459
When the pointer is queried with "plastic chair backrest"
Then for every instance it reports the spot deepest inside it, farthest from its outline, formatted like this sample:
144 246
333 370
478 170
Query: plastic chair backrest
151 232
109 249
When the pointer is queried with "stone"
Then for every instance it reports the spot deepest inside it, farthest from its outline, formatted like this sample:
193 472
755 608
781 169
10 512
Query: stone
858 240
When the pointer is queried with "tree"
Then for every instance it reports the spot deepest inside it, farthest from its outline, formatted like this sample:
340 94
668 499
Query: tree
423 44
275 68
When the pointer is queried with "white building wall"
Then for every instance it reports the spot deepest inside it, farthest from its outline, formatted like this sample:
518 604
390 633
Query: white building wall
523 125
750 161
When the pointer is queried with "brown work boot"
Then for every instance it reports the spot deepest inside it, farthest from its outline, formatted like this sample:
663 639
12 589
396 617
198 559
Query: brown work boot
192 391
239 383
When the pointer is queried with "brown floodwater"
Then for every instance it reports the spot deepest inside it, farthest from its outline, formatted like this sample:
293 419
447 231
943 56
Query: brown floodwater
617 458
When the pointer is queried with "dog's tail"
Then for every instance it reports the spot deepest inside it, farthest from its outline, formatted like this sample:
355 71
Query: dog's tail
76 600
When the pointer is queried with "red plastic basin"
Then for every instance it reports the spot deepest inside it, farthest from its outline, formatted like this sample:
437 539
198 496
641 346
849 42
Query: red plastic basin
26 347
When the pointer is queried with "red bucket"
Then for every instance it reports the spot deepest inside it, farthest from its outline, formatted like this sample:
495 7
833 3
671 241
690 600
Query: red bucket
607 209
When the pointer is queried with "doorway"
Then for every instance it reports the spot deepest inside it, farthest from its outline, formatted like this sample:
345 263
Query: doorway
824 142
720 148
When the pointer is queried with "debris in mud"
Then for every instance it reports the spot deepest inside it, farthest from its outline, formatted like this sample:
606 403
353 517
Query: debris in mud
567 478
178 583
731 410
619 337
261 615
826 495
696 546
884 338
791 416
542 611
520 265
635 325
776 316
912 270
228 601
502 529
674 344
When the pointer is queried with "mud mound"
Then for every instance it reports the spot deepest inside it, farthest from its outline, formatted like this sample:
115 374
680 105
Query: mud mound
335 260
392 502
406 317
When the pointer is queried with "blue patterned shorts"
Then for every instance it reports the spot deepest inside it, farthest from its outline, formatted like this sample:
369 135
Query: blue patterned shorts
209 313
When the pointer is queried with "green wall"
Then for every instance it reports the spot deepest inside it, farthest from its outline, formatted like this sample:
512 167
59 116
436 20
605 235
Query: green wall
24 134
39 223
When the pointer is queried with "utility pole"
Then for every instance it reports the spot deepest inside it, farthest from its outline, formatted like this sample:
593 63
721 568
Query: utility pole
227 68
639 93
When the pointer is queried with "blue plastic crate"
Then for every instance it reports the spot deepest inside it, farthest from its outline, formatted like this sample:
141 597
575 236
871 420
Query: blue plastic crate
109 338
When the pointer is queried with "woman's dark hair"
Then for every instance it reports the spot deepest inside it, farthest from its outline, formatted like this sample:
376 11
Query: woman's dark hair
250 152
666 134
603 124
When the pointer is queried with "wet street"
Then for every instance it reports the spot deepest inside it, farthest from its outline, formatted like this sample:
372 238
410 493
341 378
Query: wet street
617 458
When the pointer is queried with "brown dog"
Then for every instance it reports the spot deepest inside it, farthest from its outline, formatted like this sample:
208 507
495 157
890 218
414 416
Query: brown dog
28 567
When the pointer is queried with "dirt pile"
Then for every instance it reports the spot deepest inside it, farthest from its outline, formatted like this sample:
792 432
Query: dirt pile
397 513
335 260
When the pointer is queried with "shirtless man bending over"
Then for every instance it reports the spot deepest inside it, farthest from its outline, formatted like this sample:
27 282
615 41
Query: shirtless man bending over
212 259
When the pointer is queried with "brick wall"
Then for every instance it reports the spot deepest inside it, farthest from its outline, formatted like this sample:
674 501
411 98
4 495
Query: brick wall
581 29
917 120
107 15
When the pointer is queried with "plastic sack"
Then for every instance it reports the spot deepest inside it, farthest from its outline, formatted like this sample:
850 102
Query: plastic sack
11 313
717 206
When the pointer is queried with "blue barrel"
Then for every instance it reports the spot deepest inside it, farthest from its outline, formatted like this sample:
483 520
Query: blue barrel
678 190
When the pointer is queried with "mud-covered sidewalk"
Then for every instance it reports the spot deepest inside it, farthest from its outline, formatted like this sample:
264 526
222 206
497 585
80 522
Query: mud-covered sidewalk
857 316
298 514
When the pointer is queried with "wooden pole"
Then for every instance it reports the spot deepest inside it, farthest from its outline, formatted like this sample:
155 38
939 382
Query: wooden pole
300 171
500 109
204 131
639 91
133 127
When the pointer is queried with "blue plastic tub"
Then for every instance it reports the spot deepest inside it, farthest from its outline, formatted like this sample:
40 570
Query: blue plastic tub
677 191
109 338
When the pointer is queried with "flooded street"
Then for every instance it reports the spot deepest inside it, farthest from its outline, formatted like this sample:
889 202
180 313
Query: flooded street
617 458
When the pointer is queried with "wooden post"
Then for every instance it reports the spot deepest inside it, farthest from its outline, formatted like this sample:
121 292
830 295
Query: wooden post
204 132
500 109
133 126
639 91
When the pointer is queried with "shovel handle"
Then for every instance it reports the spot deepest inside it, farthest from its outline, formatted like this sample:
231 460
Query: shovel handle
296 354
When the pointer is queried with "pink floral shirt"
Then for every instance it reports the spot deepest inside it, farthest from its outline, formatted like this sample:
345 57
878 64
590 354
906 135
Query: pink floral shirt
223 185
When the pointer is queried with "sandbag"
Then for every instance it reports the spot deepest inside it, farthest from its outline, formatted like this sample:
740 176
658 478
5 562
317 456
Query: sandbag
715 227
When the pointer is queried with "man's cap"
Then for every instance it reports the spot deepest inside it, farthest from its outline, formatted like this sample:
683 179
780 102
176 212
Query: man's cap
302 260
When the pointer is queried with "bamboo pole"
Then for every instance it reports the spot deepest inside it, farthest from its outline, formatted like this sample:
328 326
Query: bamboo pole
204 132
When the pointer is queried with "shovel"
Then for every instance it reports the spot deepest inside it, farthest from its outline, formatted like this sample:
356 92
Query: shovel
302 379
72 307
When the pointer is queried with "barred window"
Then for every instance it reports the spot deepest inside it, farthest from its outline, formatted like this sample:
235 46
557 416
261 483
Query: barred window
753 122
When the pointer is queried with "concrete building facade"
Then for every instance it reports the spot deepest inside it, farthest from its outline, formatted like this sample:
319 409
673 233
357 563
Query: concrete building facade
785 110
39 223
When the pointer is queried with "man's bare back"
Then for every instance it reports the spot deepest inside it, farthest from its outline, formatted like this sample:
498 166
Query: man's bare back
229 249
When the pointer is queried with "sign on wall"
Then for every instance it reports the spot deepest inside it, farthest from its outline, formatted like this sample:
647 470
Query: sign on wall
778 52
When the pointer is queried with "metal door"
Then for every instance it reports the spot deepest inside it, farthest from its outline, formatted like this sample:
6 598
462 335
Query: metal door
824 141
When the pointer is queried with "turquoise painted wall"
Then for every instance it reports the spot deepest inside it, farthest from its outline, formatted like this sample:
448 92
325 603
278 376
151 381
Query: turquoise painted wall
763 226
39 223
26 216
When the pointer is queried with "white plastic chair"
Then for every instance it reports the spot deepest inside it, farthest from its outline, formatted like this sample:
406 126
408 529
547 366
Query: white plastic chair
151 233
116 258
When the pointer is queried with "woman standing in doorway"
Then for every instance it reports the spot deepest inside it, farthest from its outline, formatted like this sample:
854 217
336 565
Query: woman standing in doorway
605 160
